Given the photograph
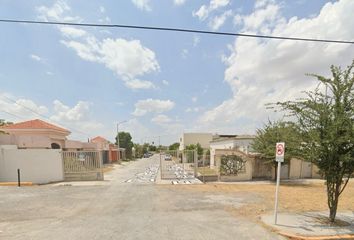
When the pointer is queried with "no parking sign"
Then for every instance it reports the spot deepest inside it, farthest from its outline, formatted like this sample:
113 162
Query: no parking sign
279 151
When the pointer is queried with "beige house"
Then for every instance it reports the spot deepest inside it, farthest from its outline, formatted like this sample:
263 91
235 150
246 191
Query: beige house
35 134
242 143
193 138
40 134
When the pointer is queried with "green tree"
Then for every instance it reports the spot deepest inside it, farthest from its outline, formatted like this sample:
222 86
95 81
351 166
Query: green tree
278 131
197 147
3 122
152 148
125 141
174 146
326 120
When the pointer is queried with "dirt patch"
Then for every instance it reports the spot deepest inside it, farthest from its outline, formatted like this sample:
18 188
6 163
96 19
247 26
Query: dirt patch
292 197
108 168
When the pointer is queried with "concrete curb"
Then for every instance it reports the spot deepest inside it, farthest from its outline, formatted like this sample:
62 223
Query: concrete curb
300 237
14 184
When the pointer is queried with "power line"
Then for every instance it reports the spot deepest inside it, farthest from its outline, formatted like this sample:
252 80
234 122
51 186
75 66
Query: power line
39 114
176 30
14 115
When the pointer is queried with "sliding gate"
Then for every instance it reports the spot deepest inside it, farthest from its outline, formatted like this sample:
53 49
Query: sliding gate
82 165
178 165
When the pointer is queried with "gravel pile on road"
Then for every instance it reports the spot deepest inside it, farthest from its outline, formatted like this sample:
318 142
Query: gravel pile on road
148 176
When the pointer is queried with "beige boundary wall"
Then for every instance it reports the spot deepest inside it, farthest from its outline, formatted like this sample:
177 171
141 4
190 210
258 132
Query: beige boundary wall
242 176
37 165
296 169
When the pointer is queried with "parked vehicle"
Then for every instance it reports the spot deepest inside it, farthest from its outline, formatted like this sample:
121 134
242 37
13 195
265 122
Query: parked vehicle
168 157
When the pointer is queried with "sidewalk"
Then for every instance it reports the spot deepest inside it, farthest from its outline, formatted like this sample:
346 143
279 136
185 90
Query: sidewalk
312 225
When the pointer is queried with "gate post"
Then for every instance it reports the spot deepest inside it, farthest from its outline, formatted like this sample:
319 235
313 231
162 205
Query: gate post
160 165
195 163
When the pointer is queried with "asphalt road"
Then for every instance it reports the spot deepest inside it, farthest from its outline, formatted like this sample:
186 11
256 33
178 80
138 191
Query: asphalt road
128 206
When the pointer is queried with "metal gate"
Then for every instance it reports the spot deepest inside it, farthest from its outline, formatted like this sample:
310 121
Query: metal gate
178 164
82 165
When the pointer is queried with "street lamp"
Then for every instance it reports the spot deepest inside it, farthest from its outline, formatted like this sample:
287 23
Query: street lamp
118 137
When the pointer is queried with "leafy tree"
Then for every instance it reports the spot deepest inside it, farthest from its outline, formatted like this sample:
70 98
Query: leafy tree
174 146
3 122
195 147
138 150
125 141
152 148
326 120
273 132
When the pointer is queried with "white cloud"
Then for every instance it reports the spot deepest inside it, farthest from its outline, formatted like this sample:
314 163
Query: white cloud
265 17
165 82
102 9
196 40
194 99
218 21
142 4
262 71
77 118
202 13
205 10
195 109
184 53
138 131
128 59
57 12
65 113
161 119
262 3
179 2
18 109
36 57
72 32
215 4
143 107
119 103
139 84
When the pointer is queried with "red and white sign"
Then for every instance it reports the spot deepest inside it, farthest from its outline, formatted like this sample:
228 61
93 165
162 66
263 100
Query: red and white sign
279 151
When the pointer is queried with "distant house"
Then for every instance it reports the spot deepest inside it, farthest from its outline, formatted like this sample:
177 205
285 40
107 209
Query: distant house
35 134
242 143
203 139
109 150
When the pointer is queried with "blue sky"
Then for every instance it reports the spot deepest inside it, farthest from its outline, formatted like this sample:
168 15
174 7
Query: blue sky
164 83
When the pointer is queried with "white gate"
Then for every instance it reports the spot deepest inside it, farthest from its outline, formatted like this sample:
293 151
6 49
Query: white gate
82 165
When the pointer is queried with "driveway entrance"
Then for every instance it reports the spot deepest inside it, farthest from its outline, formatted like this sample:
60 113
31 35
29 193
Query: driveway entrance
178 165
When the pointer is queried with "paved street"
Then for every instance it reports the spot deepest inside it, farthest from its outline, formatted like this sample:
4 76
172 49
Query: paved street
128 206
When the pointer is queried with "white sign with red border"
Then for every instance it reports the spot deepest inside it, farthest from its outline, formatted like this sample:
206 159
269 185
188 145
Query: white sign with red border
279 152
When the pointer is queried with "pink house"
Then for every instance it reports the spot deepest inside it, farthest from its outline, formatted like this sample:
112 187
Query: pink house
110 151
34 134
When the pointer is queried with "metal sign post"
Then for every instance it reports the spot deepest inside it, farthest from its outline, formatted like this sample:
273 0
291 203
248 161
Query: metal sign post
279 157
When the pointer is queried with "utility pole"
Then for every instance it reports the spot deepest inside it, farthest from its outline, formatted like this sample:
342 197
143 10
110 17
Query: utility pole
118 138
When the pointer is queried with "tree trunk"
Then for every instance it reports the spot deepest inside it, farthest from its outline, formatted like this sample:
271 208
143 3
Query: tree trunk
333 192
332 213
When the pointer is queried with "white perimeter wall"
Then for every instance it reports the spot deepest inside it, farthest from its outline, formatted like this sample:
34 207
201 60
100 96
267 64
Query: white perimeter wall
36 165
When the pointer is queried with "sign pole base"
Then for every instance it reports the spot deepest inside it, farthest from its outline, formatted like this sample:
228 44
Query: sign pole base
276 193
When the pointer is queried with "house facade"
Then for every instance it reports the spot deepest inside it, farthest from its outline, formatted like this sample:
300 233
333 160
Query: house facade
203 139
242 143
35 134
